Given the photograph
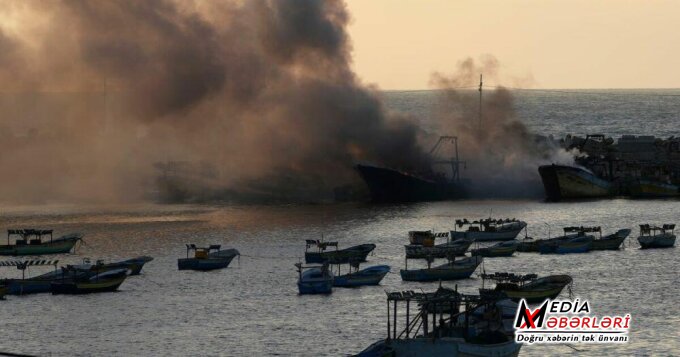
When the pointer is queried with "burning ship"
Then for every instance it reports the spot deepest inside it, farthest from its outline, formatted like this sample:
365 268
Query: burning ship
392 185
634 166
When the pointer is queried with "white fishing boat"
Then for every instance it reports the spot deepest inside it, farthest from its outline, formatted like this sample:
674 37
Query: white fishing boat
488 229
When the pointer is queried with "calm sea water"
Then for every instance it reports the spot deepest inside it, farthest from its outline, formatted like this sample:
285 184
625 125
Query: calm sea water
252 308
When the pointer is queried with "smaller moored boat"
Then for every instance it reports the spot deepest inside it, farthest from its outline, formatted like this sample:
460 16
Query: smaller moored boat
528 287
134 265
337 256
100 282
207 258
35 242
656 237
502 249
488 229
314 279
457 247
368 276
580 244
611 241
452 270
643 188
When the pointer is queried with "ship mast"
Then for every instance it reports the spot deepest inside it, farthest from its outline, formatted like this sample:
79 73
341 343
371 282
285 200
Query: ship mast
480 103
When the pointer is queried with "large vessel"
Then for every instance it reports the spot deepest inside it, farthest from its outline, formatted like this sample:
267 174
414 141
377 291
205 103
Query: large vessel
636 166
393 185
564 182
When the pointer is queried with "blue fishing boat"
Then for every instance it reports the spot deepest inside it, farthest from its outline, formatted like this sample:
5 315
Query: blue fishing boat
31 285
207 258
656 237
314 279
369 276
452 270
580 244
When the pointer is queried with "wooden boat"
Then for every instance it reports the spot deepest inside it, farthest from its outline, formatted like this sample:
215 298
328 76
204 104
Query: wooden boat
532 245
314 279
612 241
35 242
134 265
580 244
452 270
207 258
33 285
653 189
342 256
100 282
502 249
456 248
432 331
489 229
369 276
656 237
528 287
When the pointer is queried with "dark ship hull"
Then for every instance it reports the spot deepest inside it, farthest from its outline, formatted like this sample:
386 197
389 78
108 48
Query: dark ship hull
388 185
568 182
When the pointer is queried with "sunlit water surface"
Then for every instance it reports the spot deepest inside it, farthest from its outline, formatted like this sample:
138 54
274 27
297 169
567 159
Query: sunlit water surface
253 308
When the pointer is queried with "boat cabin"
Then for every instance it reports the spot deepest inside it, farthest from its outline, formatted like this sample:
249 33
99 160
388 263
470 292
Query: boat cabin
202 252
28 236
321 246
581 231
646 229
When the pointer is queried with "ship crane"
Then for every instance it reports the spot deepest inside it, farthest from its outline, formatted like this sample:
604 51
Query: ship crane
454 162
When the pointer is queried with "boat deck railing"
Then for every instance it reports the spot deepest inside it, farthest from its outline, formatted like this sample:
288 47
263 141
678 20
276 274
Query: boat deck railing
26 235
435 312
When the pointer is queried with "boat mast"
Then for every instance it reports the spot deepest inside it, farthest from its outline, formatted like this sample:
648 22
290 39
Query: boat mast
480 103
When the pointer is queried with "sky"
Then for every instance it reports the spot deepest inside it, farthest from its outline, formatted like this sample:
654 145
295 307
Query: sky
398 44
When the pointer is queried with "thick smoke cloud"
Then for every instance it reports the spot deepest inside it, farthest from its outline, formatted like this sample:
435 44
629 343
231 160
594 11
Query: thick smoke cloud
501 154
246 99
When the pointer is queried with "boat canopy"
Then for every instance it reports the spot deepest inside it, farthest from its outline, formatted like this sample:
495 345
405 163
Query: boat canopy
582 229
321 245
22 265
487 221
30 232
647 229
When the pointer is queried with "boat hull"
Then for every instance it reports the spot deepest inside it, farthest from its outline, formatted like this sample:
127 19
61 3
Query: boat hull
204 264
343 256
316 287
370 276
55 247
612 242
653 189
24 287
647 242
444 273
483 236
562 246
88 287
493 252
566 182
441 347
388 185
